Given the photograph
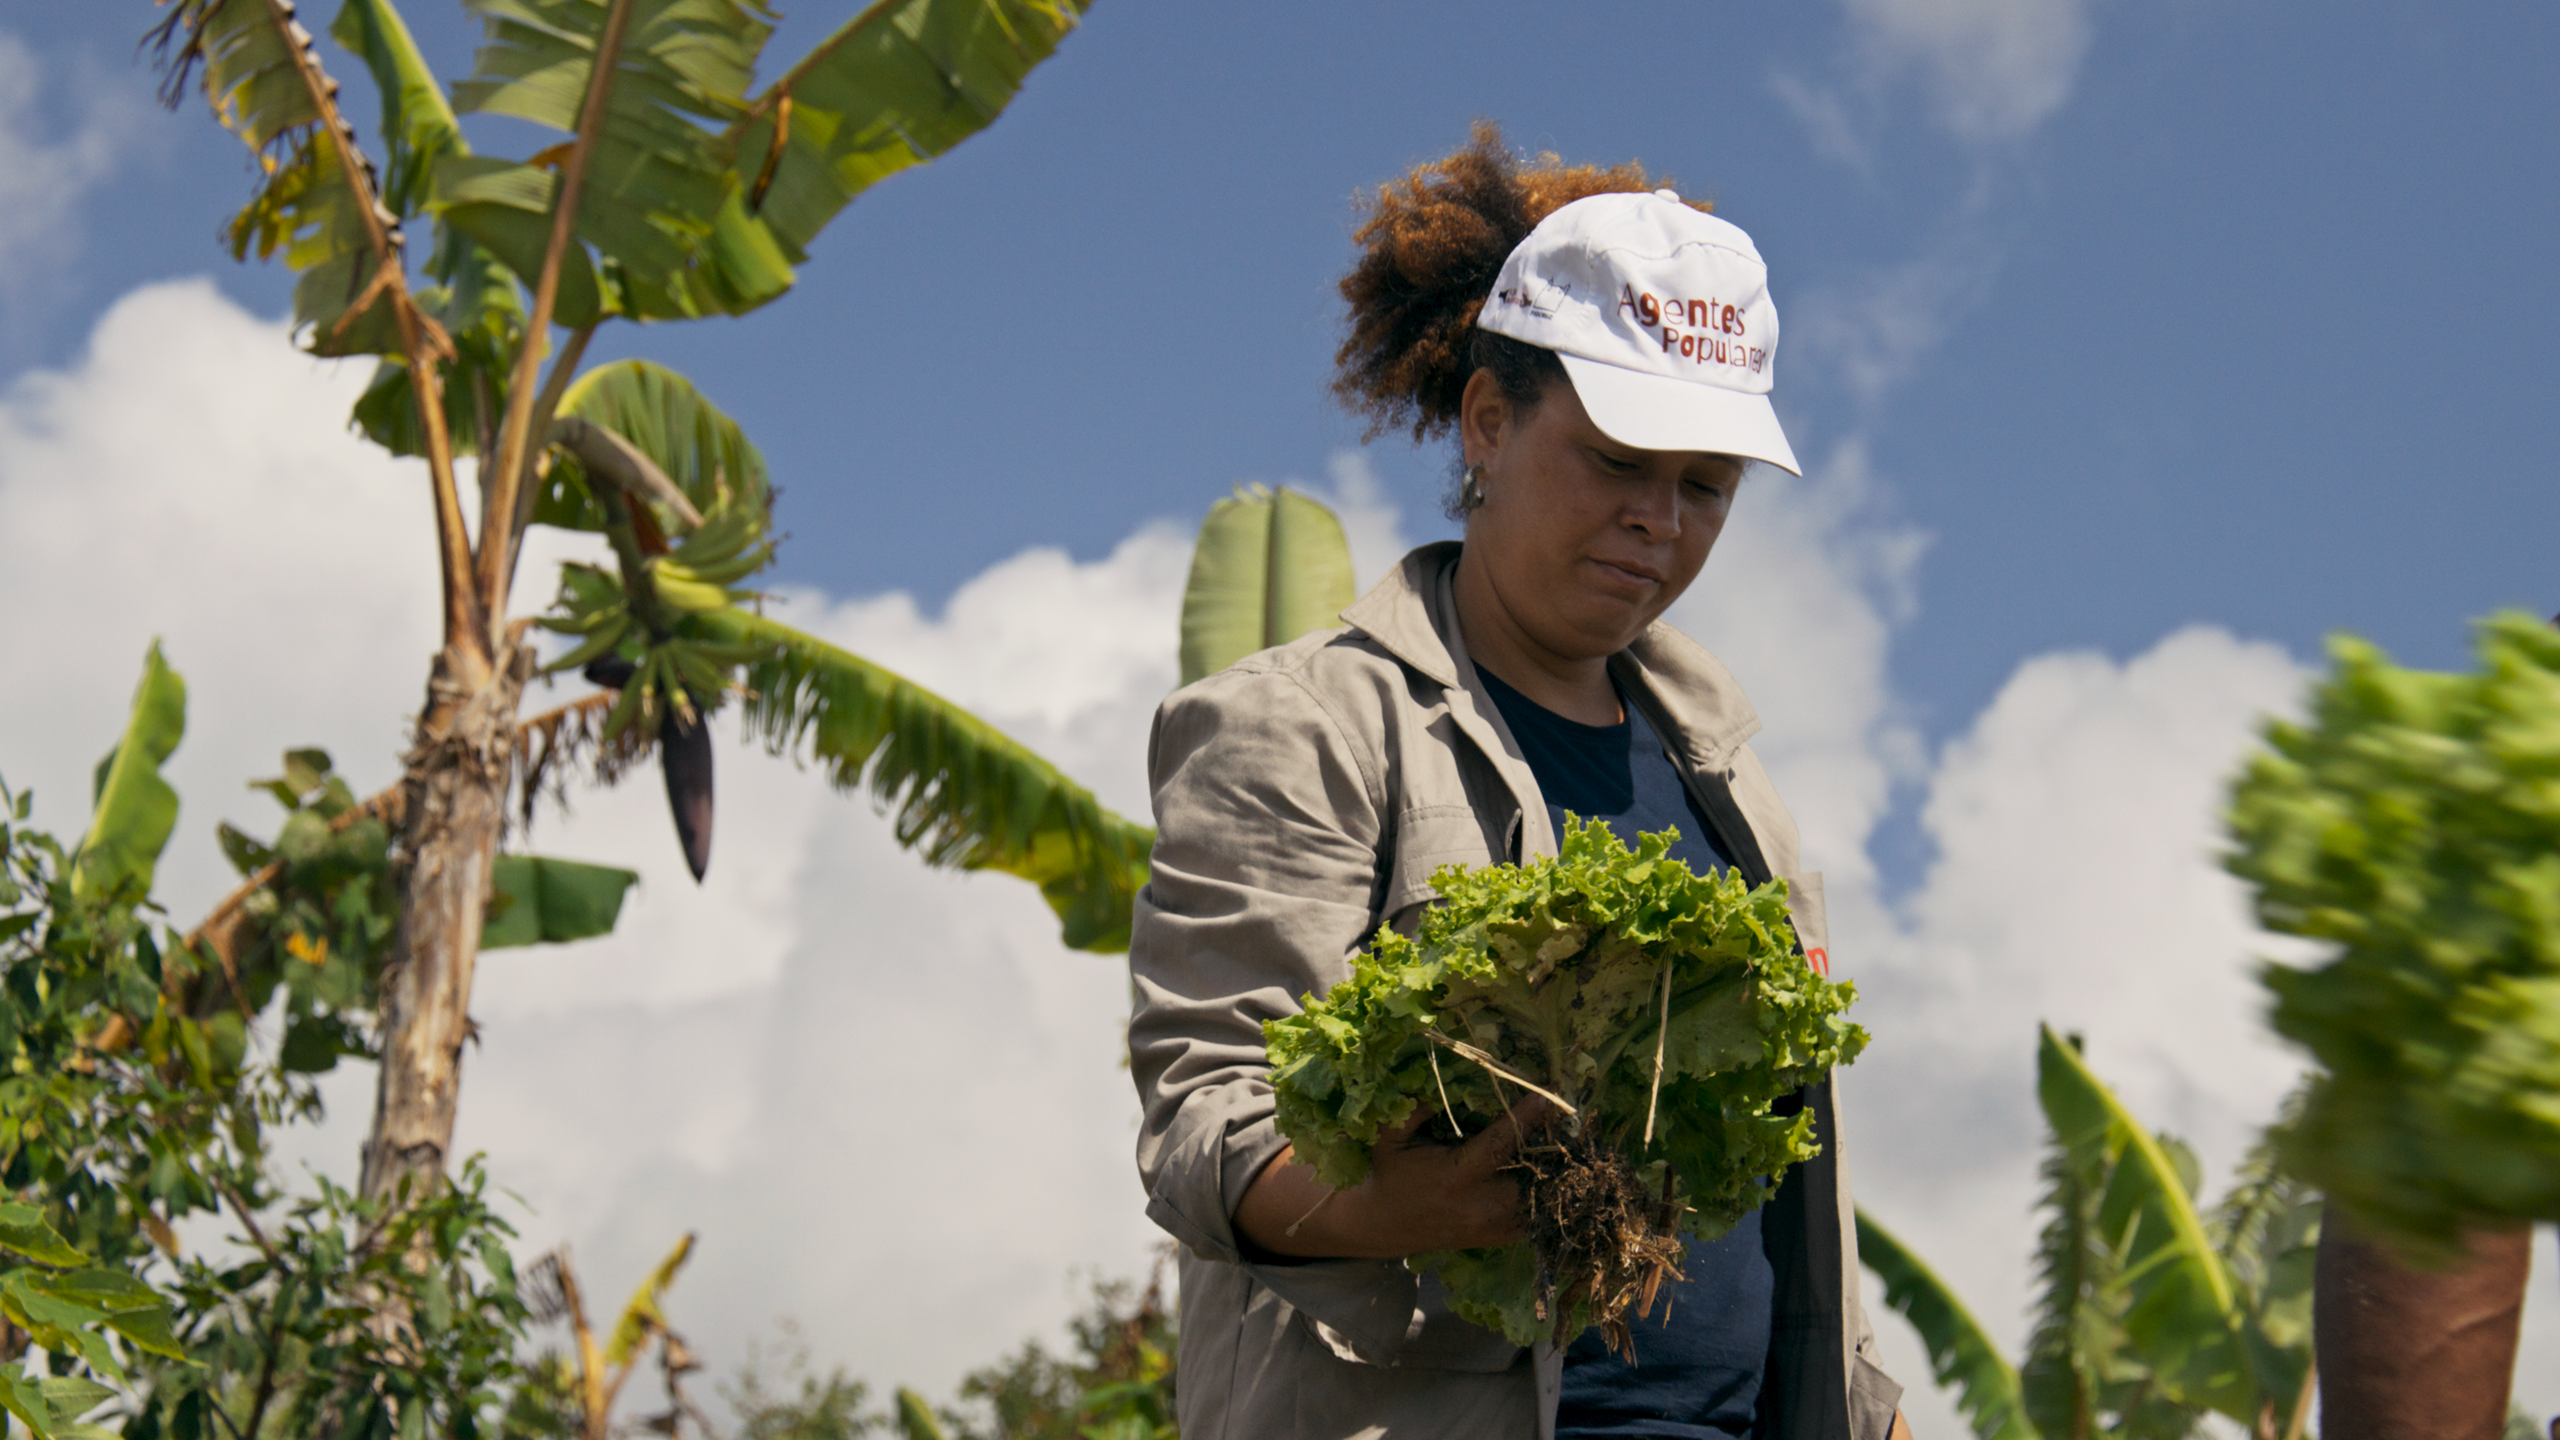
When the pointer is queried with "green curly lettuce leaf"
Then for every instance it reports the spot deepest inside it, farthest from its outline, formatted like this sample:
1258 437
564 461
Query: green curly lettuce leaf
2412 825
1556 969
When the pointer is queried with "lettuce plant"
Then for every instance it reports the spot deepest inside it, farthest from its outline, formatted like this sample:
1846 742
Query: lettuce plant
1670 1011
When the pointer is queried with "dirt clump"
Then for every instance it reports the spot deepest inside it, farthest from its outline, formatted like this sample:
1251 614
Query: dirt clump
1600 1239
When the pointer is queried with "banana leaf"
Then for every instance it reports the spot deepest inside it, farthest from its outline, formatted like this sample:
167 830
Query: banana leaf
897 85
915 1418
418 127
661 413
1960 1354
474 297
2268 1230
643 1316
1269 567
135 808
2074 1341
537 900
2080 1364
658 207
476 300
962 794
260 74
2182 1313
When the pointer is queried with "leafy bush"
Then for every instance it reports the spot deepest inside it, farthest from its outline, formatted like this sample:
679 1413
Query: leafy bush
777 1397
353 1318
134 1099
1117 1385
56 1299
2412 825
2152 1313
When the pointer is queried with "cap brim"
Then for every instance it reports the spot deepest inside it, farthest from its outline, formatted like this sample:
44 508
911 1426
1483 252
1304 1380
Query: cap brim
1657 412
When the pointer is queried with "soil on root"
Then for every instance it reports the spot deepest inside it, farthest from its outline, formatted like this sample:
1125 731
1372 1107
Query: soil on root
1600 1240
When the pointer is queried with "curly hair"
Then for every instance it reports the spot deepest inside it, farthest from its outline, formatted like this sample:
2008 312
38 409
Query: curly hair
1430 249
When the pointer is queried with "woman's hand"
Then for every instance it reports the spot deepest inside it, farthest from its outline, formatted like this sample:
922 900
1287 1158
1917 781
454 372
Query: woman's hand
1418 1196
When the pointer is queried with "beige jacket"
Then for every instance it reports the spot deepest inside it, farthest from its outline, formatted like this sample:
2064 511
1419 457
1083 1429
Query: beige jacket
1304 796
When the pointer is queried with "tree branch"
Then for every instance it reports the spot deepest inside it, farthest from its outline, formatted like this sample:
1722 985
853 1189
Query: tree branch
267 1372
423 341
515 437
592 1402
379 805
611 458
563 371
257 1236
213 930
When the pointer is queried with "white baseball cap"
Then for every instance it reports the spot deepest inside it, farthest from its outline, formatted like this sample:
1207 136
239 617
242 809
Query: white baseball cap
1662 317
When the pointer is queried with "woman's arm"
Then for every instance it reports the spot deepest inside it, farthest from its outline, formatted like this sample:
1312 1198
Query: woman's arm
1417 1197
1262 879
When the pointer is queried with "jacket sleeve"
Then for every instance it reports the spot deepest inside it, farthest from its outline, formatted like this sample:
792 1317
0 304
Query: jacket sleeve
1265 874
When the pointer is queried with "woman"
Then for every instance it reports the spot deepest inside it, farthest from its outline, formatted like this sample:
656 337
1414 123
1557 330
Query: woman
1602 351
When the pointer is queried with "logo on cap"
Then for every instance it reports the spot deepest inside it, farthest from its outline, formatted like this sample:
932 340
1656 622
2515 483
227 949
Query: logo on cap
1725 347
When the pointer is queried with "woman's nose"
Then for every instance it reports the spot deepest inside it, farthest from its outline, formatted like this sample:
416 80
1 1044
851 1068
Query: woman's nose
1654 509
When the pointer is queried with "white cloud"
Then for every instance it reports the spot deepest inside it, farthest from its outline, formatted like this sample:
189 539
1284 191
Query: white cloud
2074 884
1799 601
1988 73
1994 69
891 1105
192 479
1873 330
1827 119
45 175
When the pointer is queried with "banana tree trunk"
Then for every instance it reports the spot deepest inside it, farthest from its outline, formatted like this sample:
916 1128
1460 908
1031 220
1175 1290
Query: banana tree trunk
457 792
2408 1354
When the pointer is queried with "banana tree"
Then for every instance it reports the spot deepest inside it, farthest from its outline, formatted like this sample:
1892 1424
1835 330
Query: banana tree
2152 1314
583 1386
683 186
1269 567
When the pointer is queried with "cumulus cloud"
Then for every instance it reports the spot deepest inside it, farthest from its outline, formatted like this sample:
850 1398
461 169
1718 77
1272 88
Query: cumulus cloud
1993 70
891 1104
1800 600
191 479
2074 884
1872 330
47 169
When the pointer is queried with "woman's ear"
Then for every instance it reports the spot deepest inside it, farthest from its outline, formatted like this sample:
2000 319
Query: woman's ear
1484 418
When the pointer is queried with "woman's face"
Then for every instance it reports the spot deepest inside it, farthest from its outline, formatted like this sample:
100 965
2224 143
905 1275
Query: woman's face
1584 541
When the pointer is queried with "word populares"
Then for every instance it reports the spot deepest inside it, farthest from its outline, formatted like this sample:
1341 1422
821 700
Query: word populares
1701 316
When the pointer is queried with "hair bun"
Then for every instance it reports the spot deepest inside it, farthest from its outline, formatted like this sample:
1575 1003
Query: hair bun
1430 249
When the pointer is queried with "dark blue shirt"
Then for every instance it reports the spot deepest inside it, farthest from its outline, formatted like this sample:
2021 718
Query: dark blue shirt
1697 1369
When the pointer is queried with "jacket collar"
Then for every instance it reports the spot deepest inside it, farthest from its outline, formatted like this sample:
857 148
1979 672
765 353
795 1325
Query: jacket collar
1410 615
1397 612
1710 717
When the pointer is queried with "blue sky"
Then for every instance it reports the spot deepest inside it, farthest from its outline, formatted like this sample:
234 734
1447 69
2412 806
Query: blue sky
2214 310
2132 347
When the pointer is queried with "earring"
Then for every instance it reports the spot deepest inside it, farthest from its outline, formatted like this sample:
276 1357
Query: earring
1471 489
